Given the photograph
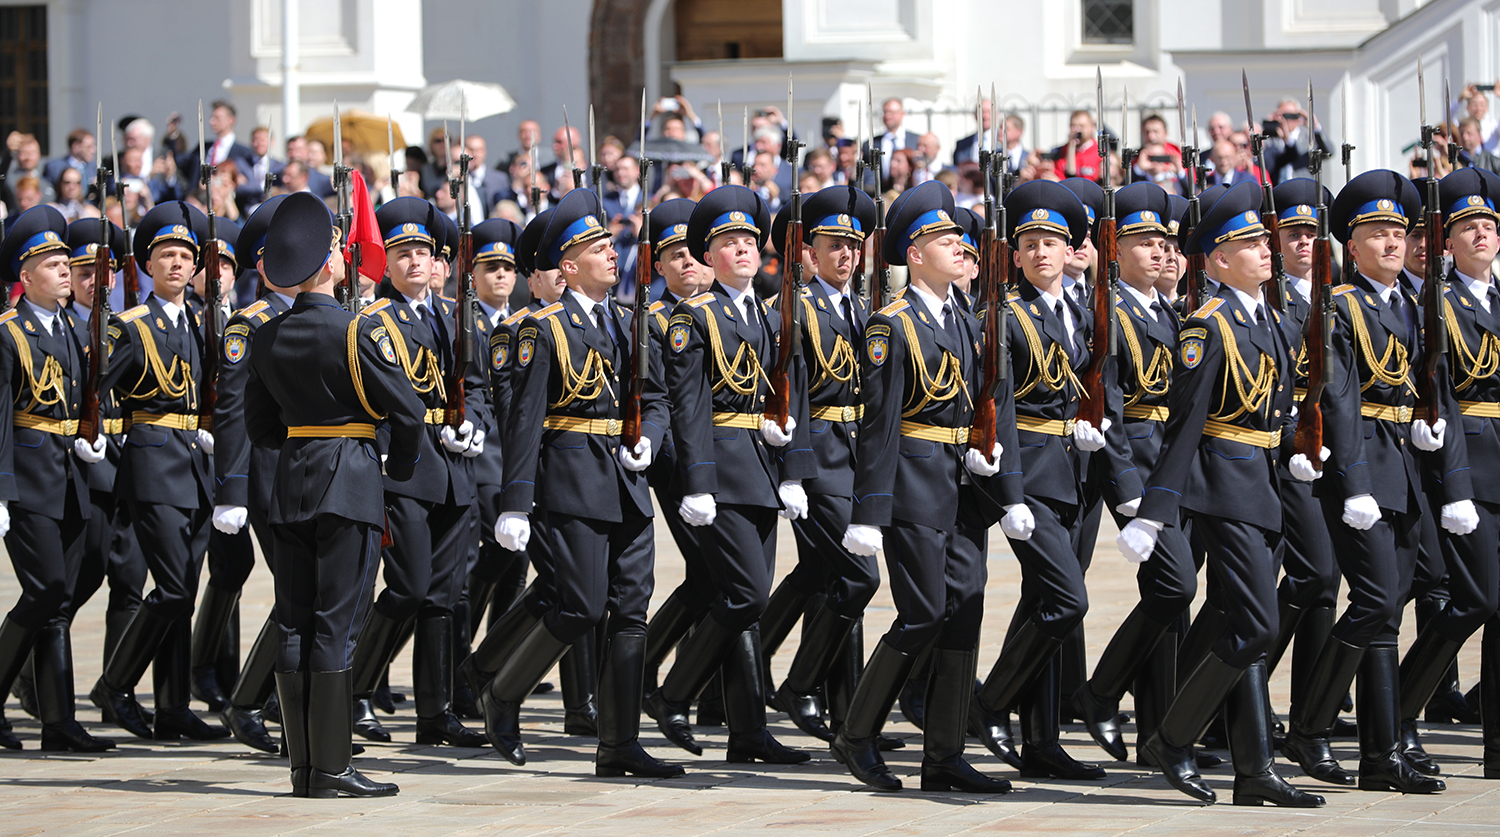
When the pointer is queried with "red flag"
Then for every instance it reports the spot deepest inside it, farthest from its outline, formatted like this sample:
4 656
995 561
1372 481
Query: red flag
364 232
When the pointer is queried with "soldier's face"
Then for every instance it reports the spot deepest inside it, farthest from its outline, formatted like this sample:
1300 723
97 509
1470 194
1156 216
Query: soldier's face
409 266
546 285
1472 242
591 268
683 273
734 256
1296 248
833 258
1243 264
493 282
1082 257
1042 256
47 279
83 282
1171 264
1416 250
1380 250
171 269
1141 259
938 258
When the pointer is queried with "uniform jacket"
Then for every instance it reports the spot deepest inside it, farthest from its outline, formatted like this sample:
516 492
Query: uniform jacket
102 473
829 350
1143 374
244 472
1469 379
663 475
41 375
319 365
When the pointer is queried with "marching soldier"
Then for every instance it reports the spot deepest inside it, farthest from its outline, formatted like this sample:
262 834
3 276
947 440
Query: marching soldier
1167 579
720 344
1370 485
44 491
320 380
1230 403
428 514
562 446
914 496
156 368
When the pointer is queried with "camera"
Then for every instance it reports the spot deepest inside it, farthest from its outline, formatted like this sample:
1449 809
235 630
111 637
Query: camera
1159 158
667 105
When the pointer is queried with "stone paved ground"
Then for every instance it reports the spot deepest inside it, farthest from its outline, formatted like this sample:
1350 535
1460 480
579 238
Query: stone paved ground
222 789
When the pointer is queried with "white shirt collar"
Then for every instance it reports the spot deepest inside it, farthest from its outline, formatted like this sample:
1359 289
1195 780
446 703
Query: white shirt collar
586 304
172 310
289 300
494 314
1051 302
1251 304
1382 290
422 306
1480 288
936 307
1303 287
1144 299
835 296
737 296
43 316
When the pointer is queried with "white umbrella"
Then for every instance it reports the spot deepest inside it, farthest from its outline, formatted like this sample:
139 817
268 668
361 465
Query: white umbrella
461 99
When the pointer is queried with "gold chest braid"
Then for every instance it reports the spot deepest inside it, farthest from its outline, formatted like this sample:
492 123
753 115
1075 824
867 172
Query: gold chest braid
837 366
1252 390
424 372
172 382
741 375
46 389
1050 368
1393 367
927 387
587 383
1151 378
1475 364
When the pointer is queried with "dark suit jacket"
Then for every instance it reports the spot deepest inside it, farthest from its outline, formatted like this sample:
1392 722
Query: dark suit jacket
1143 373
187 163
38 469
244 472
1476 449
53 169
829 349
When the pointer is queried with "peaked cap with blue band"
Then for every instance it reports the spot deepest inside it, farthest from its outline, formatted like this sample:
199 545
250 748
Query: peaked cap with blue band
253 235
1379 195
298 241
669 223
1048 206
1468 192
40 230
408 219
1142 208
575 221
526 244
1233 216
1091 194
173 221
922 210
83 242
726 209
495 241
1297 201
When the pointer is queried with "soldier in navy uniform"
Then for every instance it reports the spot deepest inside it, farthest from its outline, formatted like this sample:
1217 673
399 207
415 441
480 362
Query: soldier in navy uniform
562 446
320 380
156 368
44 462
1049 349
1230 407
915 487
739 469
245 474
1468 199
1167 579
428 514
1370 487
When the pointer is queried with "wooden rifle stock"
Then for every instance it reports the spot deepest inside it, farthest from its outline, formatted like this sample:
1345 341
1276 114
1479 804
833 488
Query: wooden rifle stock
640 337
880 272
1276 289
89 425
1434 325
1091 408
463 327
1316 336
212 328
789 303
132 282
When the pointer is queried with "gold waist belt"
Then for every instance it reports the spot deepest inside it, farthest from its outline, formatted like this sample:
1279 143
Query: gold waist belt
1482 409
597 427
352 430
1051 427
854 413
744 421
1385 412
1140 412
933 433
176 421
62 427
1255 438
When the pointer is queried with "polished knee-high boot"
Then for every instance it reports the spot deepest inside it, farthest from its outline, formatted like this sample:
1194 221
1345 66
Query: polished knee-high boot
856 746
949 694
619 751
53 655
1248 716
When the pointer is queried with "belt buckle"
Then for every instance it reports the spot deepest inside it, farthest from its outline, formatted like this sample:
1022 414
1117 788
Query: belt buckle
1276 438
848 414
1068 426
961 435
1403 415
612 427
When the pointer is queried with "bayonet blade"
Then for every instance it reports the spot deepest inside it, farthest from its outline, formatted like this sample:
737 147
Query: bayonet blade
745 144
1181 115
593 138
645 118
338 135
1421 93
1249 111
995 120
568 132
202 154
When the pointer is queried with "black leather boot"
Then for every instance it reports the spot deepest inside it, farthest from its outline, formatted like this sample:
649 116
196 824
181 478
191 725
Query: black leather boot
244 716
1248 714
291 694
783 610
947 703
1042 755
1196 704
745 707
1427 666
843 679
433 671
214 613
1289 618
1155 684
529 661
115 623
667 627
53 655
479 592
330 697
1206 627
1447 704
620 752
1489 697
579 673
170 674
856 744
993 731
15 652
914 691
1416 756
465 704
1381 766
1073 672
501 638
1026 650
1326 678
1097 702
114 692
24 688
698 659
378 641
822 640
227 663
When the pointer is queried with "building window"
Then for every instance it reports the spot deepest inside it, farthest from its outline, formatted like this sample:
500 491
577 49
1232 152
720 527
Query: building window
1109 22
23 71
716 30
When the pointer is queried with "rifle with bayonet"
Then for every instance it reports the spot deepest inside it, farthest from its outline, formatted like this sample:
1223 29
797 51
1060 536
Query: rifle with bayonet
1277 288
1196 274
131 282
1434 325
348 290
1317 334
578 181
463 313
860 281
89 426
640 326
1091 408
994 252
1127 154
1347 152
880 273
213 312
779 405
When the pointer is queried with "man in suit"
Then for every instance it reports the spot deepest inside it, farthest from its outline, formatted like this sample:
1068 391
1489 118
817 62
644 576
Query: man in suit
1287 151
225 146
252 192
80 156
892 113
311 179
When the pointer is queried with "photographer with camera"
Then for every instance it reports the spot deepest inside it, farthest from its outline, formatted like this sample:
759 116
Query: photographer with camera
1288 139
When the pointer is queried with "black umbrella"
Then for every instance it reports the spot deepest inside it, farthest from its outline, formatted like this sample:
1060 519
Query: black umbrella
666 150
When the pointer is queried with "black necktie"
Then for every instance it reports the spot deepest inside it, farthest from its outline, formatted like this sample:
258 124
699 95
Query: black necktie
1062 321
1157 312
1400 307
847 309
601 316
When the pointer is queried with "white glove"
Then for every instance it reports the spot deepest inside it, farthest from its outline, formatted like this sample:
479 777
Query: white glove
513 531
457 441
1087 438
1428 437
698 509
1138 540
640 460
1361 512
87 452
794 500
1460 518
1018 524
1302 469
206 441
230 519
476 445
774 435
979 466
1129 507
4 519
863 540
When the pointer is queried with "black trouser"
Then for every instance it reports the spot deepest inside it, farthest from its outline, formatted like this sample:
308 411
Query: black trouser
1430 572
824 565
46 553
697 587
173 541
1052 589
1473 574
599 565
232 557
1241 561
1169 581
937 582
1377 564
323 590
110 551
1310 576
426 563
740 548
